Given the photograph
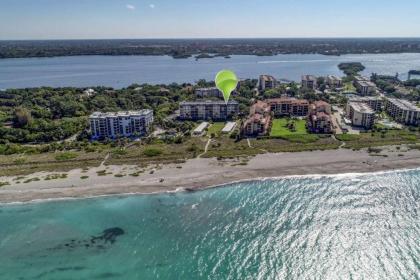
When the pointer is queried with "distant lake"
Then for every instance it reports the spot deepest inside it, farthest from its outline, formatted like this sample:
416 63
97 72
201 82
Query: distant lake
121 71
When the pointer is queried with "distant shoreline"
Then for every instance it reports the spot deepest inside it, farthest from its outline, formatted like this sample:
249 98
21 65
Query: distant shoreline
185 48
199 174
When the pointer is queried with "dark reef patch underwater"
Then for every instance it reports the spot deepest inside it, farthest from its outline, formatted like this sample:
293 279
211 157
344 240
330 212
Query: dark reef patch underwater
312 227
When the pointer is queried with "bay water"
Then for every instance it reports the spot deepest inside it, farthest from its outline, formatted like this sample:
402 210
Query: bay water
122 71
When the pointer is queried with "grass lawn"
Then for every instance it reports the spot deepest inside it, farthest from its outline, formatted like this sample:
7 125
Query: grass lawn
280 128
216 128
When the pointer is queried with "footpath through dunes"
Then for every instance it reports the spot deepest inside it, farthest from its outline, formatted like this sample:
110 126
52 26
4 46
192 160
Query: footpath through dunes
199 173
363 226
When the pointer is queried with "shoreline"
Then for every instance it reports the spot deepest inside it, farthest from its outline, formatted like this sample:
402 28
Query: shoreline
201 174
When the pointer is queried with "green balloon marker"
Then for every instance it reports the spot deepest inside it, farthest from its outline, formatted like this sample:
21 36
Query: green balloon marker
226 81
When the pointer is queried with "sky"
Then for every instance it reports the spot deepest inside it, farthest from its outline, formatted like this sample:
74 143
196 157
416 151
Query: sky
108 19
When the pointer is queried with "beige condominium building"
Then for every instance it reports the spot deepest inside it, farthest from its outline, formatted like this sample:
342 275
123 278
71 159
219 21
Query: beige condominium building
259 120
266 82
288 106
319 118
360 114
334 81
309 81
364 86
403 111
374 102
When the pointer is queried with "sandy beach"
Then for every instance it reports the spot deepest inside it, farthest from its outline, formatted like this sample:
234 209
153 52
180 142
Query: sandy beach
200 173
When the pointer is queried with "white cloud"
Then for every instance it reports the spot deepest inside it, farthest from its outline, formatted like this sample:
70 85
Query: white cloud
152 6
130 7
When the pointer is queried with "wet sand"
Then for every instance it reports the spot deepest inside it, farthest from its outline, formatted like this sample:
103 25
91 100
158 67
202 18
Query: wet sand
200 173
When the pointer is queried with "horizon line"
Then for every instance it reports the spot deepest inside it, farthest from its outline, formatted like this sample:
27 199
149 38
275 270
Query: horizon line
209 38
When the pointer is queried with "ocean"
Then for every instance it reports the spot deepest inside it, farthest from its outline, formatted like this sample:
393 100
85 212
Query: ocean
354 226
122 71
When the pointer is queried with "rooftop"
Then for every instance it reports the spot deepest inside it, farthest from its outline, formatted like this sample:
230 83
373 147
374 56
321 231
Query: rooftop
361 78
308 78
332 77
287 99
206 89
267 78
357 98
209 102
201 127
120 114
229 127
404 104
362 108
366 84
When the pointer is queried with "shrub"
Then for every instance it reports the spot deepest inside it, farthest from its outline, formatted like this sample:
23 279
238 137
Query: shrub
152 152
65 156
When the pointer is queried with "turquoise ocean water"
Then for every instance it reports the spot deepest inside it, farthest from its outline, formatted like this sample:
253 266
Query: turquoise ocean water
315 227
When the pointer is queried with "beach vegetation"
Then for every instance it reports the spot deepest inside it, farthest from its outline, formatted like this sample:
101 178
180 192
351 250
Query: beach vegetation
152 152
66 156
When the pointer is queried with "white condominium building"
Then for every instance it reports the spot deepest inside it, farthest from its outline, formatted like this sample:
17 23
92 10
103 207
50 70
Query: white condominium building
360 114
208 110
403 111
120 124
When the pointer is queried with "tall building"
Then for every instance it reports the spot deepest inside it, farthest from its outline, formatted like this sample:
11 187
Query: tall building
120 124
287 106
360 114
259 120
374 102
364 86
266 82
319 118
208 110
309 81
334 81
403 111
208 92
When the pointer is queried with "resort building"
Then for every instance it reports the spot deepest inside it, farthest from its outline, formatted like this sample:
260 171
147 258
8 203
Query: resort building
320 106
208 110
360 114
208 92
120 124
309 81
403 111
266 82
287 106
319 119
259 120
374 102
334 81
364 86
